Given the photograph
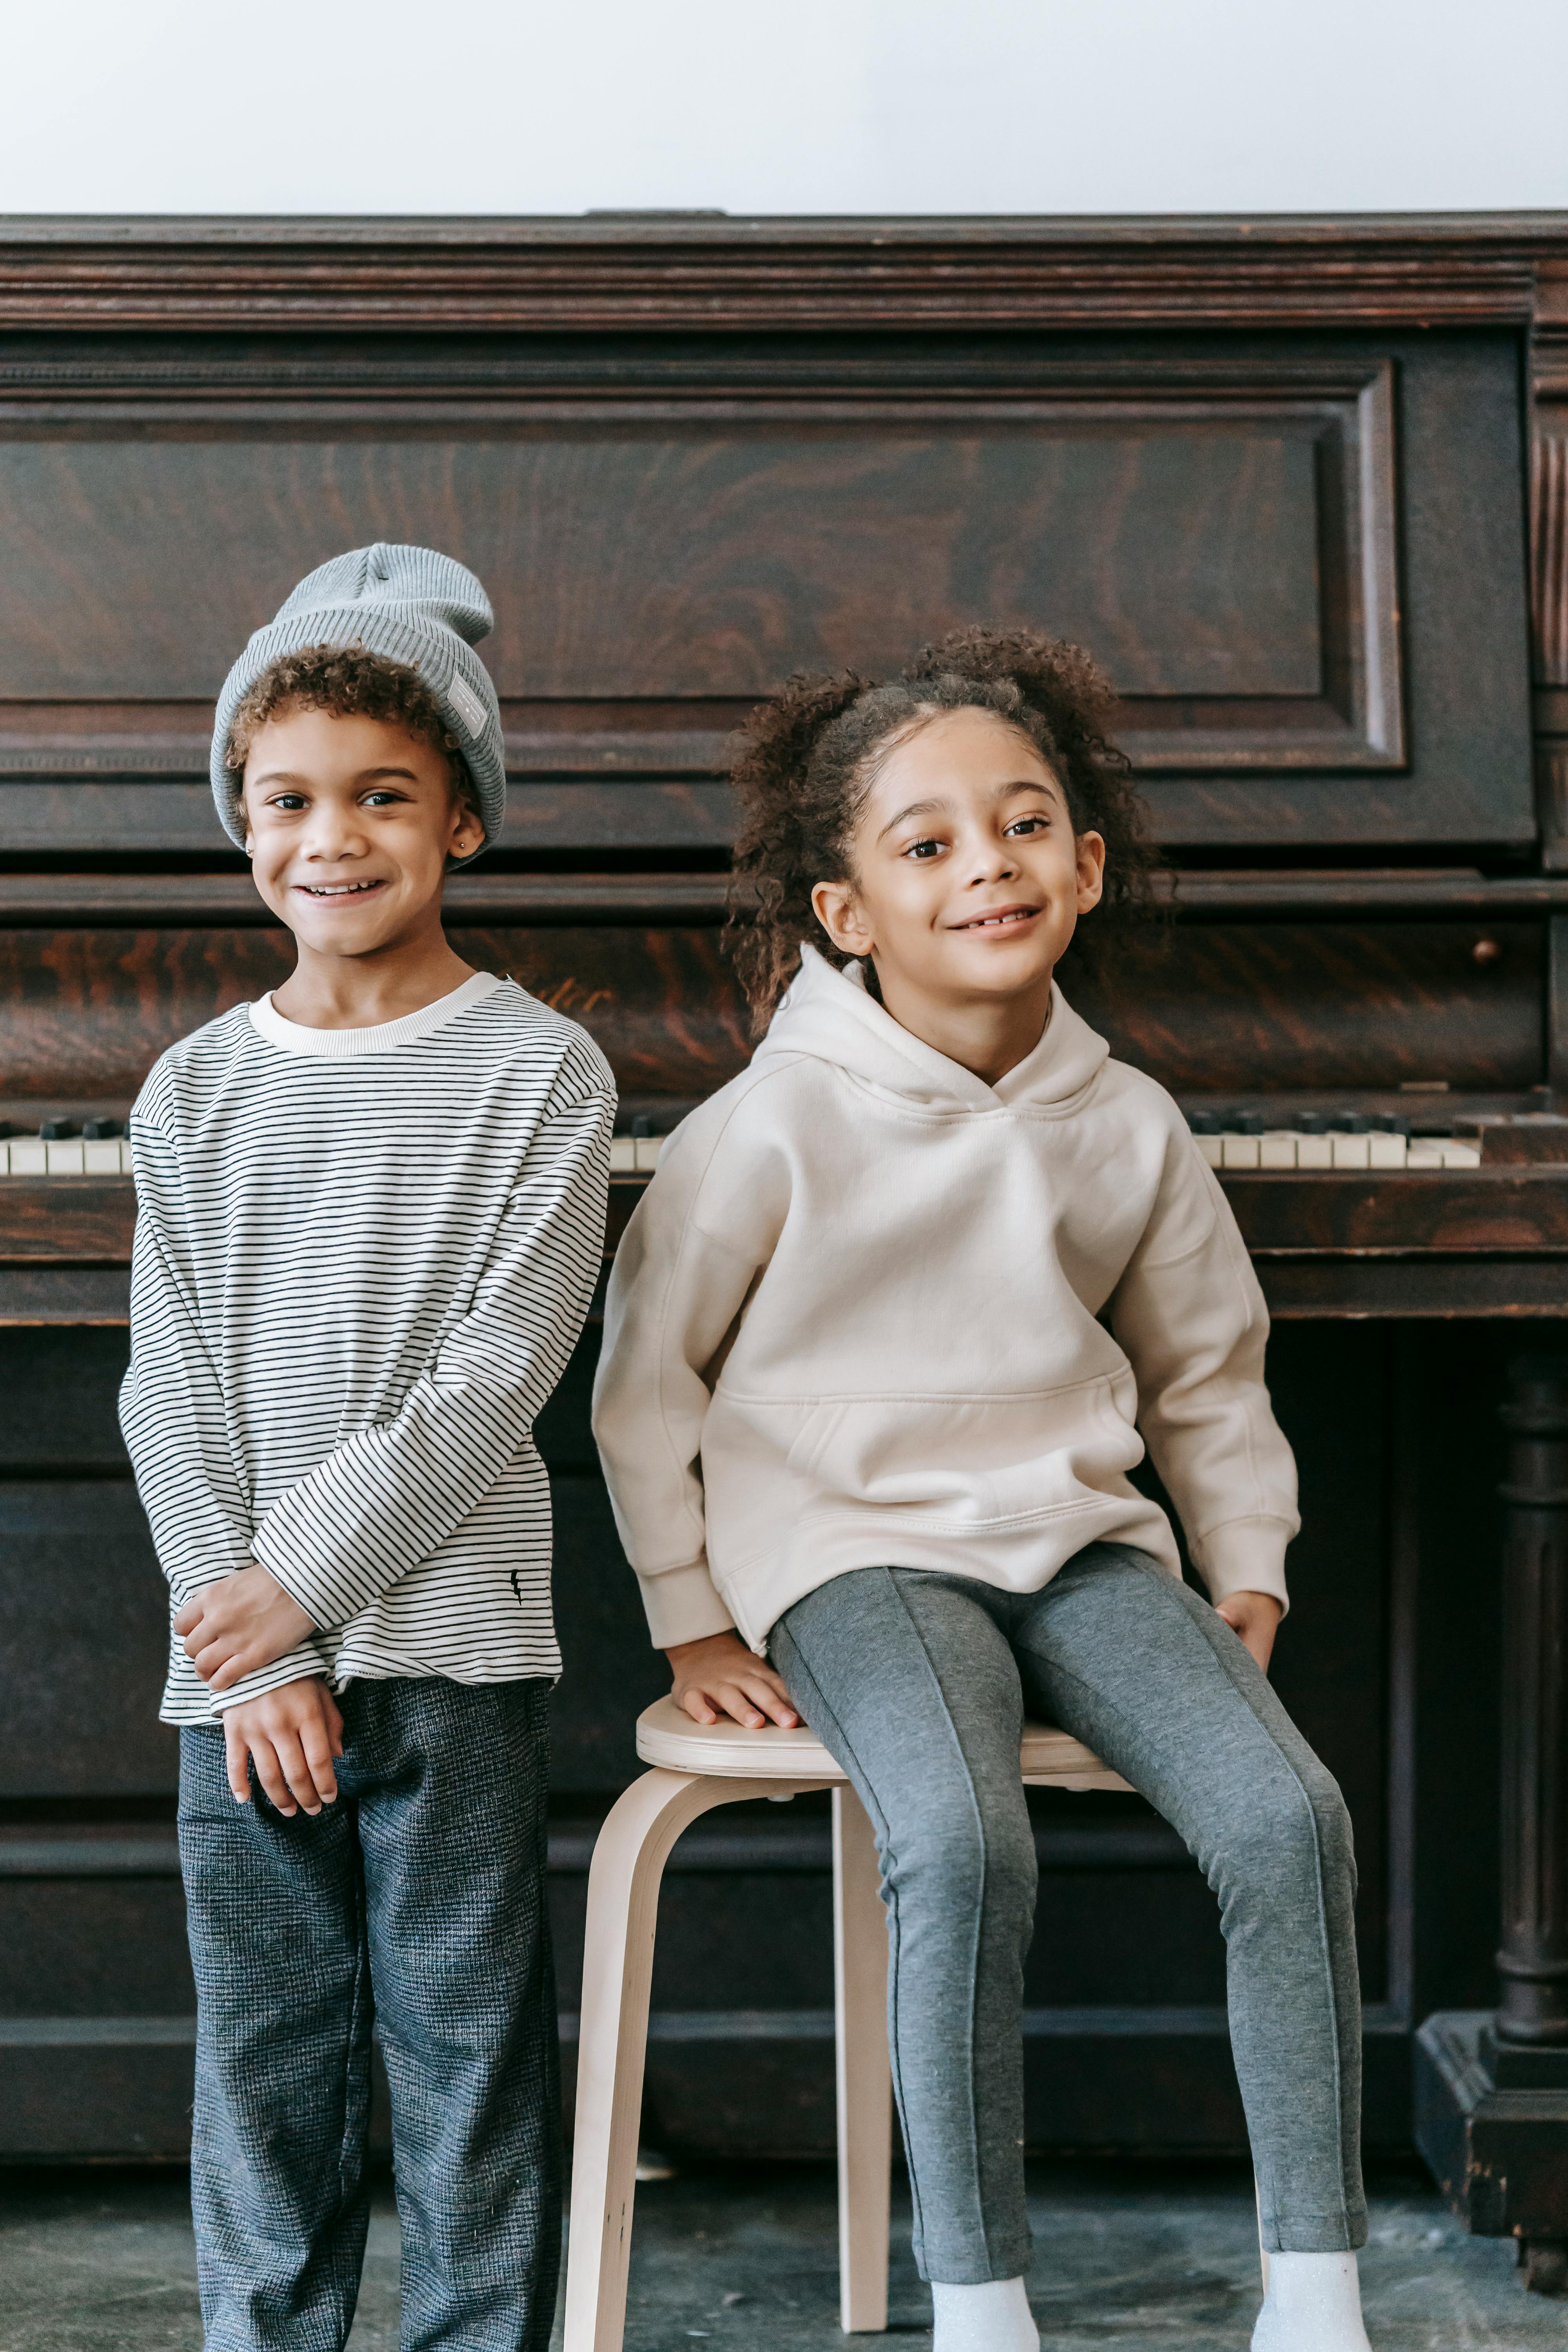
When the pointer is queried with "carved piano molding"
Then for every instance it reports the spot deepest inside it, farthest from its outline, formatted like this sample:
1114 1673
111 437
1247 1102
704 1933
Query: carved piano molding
1549 627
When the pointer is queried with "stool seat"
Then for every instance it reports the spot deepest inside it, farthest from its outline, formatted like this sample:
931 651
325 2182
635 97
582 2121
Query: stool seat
667 1737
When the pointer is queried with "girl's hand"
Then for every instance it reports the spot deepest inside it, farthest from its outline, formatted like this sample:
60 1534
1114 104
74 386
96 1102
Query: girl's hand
1256 1617
720 1676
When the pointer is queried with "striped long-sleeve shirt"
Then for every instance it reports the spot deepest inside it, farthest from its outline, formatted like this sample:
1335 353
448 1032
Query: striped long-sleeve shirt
363 1257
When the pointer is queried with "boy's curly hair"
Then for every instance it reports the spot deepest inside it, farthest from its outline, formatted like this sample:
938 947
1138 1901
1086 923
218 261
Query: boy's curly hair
348 682
808 756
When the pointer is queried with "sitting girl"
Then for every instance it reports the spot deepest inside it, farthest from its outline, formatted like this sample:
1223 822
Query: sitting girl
897 1315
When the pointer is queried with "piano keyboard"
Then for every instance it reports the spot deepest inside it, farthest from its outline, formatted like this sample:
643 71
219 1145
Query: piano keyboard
634 1155
1364 1144
96 1154
97 1149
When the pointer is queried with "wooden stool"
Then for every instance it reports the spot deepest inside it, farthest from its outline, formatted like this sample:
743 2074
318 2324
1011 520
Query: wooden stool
695 1767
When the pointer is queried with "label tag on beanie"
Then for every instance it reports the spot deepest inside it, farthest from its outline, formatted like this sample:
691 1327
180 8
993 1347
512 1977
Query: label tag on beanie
467 704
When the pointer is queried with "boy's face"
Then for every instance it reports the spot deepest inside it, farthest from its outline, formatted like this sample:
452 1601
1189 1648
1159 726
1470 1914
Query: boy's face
349 825
968 879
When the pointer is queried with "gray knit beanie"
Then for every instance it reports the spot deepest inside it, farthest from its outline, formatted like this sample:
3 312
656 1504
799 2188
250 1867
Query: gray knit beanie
411 605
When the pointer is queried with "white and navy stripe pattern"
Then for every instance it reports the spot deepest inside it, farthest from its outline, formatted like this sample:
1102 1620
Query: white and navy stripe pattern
363 1259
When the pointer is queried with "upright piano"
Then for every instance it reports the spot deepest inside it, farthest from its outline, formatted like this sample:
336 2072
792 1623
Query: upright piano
1302 486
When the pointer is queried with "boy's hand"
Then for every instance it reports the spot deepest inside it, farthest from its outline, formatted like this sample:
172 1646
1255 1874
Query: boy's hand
720 1676
291 1735
243 1621
1256 1617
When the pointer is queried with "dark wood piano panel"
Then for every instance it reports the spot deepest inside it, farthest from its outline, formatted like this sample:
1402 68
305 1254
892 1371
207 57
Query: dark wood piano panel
1290 1007
1279 486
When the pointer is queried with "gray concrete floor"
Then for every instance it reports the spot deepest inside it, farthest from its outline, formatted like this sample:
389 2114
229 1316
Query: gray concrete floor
1146 2259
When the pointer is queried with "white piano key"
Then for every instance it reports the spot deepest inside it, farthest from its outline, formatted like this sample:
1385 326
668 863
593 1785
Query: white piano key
100 1159
1426 1151
1460 1155
29 1157
1276 1148
1314 1151
1387 1151
1239 1150
123 1147
623 1155
1351 1150
64 1159
647 1150
1210 1145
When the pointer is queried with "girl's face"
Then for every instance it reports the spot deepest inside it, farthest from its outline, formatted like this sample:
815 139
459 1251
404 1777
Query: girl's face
968 879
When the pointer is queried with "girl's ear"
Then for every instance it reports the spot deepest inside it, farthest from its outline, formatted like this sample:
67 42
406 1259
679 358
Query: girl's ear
1091 853
838 910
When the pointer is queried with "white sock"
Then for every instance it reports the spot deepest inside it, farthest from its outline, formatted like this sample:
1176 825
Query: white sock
992 2318
1313 2305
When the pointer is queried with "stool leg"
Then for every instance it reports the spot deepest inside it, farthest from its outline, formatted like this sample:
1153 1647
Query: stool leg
1262 2249
612 2040
865 2074
617 1967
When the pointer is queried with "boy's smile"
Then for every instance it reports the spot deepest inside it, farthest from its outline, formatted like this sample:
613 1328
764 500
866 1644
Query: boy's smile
351 822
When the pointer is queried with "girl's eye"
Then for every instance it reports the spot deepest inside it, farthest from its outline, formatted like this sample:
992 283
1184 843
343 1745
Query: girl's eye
923 851
1030 824
287 801
381 799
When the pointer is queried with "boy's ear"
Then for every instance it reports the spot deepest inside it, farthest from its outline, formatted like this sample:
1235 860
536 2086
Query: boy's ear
839 911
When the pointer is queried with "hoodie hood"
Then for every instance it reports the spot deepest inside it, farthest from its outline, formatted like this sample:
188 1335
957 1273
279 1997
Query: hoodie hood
828 1014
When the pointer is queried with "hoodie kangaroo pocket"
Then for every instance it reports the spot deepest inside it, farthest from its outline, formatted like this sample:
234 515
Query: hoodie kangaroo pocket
970 1459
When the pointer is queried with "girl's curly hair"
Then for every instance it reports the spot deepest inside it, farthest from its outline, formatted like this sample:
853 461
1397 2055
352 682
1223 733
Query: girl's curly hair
808 756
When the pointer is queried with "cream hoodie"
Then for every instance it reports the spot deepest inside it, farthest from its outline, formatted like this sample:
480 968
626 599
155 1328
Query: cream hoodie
855 1322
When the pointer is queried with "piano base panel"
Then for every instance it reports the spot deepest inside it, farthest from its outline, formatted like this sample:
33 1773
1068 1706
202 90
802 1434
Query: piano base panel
1493 2126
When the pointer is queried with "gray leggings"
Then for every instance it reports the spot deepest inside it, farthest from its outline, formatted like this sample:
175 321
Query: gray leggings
919 1683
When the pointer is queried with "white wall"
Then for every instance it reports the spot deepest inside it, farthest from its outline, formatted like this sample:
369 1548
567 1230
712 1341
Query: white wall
783 106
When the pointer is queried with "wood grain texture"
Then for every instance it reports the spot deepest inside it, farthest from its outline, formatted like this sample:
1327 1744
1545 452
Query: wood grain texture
90 1012
708 274
1228 553
1313 1006
68 1221
1222 521
493 894
1505 1212
1281 1007
1549 547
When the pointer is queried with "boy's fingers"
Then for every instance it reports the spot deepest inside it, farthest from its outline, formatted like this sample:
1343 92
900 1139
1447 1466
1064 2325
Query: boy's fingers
269 1772
237 1758
317 1756
296 1771
219 1668
188 1616
697 1706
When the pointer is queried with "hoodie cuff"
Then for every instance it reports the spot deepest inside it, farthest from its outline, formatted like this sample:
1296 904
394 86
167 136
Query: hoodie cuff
683 1605
1245 1556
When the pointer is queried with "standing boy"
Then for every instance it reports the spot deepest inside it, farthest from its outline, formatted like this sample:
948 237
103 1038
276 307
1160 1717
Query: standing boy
370 1217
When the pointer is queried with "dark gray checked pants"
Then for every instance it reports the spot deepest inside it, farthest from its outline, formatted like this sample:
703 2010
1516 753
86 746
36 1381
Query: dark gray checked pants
917 1684
416 1899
